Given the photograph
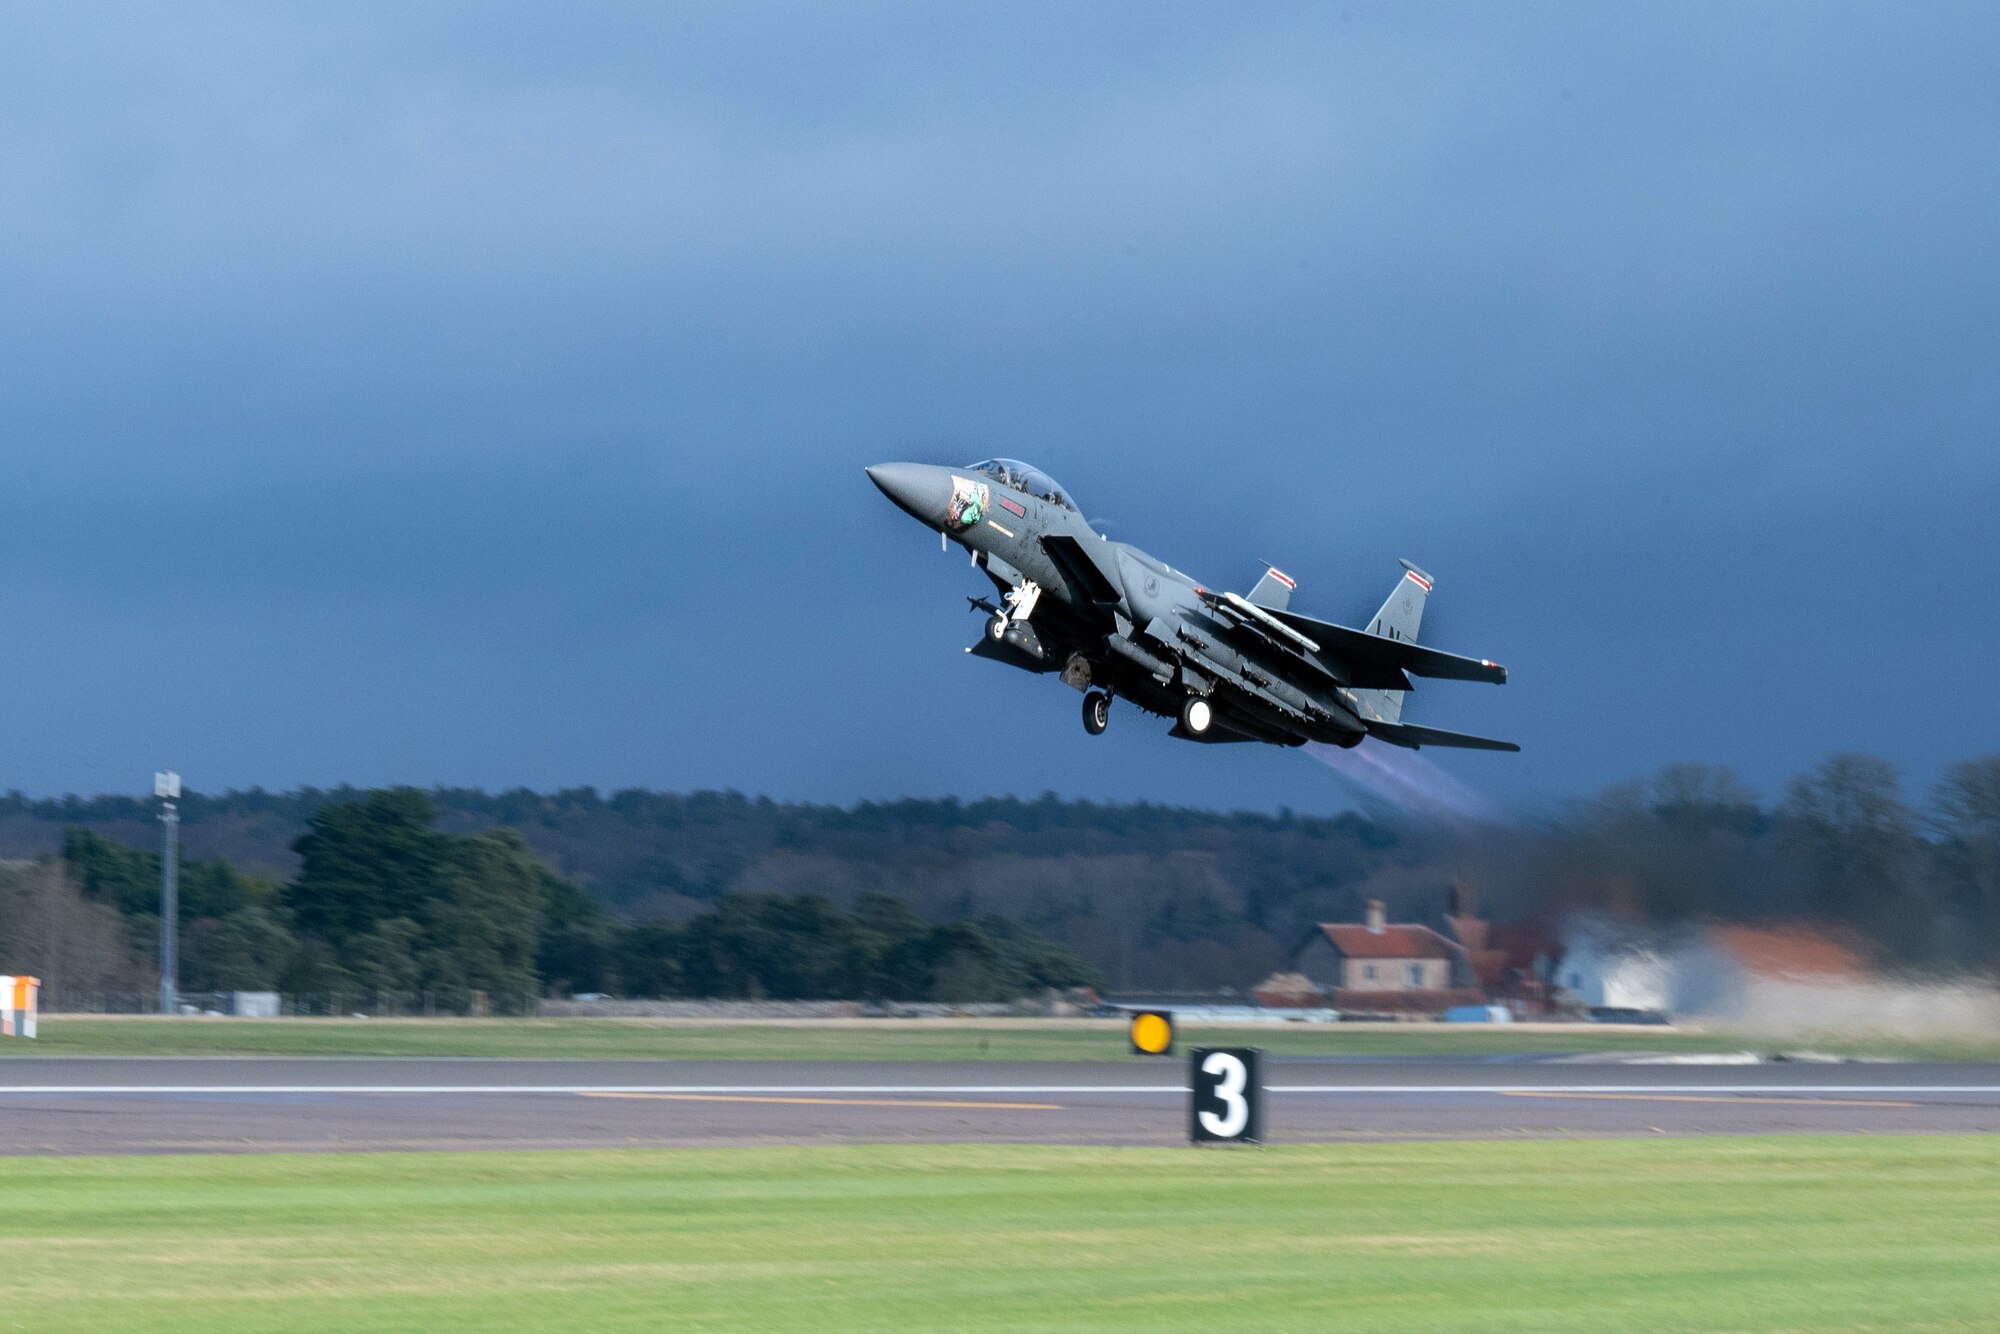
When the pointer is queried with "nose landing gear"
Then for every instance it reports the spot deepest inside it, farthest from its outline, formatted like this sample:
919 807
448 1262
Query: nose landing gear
1096 711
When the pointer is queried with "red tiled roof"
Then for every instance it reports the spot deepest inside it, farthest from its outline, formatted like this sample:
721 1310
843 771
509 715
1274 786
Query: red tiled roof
1791 951
1398 940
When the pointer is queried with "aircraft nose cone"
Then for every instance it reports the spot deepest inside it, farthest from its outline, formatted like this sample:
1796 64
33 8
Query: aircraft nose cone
922 491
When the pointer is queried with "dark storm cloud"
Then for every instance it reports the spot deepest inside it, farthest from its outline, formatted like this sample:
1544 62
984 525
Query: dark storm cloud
479 393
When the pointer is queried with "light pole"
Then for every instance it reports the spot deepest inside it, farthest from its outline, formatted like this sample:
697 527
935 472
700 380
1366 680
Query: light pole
167 787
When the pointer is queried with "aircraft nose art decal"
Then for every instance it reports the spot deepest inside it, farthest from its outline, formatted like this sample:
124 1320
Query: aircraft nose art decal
968 502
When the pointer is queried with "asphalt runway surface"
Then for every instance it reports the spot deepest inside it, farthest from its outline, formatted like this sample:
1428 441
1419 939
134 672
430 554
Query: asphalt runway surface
66 1105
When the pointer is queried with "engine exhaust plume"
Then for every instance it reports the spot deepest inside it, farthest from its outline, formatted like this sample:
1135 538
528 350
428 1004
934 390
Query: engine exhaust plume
1405 782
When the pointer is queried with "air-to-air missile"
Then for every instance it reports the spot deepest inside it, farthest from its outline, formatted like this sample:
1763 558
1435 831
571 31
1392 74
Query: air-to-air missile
1116 623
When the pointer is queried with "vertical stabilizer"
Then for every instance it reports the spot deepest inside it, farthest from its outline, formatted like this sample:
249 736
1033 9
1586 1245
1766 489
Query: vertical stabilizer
1400 618
1402 615
1274 591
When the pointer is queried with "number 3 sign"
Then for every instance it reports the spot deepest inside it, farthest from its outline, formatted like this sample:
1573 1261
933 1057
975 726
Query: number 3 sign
1227 1102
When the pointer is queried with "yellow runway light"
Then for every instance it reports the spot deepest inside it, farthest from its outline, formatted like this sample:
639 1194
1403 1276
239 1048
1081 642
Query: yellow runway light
1153 1033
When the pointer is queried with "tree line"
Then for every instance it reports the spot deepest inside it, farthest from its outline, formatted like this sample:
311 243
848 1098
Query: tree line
385 904
1918 881
635 889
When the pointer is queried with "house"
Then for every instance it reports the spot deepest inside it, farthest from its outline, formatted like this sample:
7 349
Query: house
1383 967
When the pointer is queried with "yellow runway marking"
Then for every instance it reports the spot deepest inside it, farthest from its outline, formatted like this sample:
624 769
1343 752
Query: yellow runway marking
833 1102
1746 1099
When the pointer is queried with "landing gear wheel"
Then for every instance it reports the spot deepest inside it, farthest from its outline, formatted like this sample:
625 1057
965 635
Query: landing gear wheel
1197 716
1096 712
996 629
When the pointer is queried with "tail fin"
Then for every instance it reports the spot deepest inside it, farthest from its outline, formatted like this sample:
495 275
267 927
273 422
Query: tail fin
1399 618
1274 591
1403 613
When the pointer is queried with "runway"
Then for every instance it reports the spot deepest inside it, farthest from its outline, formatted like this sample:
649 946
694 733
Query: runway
68 1105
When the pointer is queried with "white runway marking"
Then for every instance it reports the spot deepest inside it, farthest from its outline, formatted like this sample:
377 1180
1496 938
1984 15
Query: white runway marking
1007 1089
984 1104
1634 1088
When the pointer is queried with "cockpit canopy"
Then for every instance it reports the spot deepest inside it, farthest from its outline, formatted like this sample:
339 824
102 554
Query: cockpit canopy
1014 473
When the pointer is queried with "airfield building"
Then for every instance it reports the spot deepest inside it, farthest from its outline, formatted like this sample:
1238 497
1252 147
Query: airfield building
1376 966
1411 969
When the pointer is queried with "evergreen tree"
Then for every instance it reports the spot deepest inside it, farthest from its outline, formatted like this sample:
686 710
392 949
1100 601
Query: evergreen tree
366 861
247 950
110 872
649 959
129 879
485 921
401 908
578 949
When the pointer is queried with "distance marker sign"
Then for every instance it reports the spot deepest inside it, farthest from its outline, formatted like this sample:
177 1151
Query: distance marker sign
1226 1095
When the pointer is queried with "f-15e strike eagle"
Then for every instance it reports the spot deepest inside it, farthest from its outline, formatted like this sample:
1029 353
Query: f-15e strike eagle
1115 622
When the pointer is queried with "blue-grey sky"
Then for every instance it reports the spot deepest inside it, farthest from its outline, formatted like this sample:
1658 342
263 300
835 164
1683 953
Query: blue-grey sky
479 394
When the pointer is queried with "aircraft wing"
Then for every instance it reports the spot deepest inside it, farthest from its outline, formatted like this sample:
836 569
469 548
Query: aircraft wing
1415 738
1381 663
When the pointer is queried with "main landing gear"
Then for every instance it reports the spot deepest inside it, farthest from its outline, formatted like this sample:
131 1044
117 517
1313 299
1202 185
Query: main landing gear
1096 711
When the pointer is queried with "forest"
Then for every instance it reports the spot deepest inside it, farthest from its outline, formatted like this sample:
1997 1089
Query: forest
644 893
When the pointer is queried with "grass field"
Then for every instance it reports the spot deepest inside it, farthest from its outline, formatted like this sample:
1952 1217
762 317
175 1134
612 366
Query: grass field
944 1040
1765 1234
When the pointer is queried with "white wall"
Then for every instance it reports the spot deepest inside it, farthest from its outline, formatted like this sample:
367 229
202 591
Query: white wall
1602 973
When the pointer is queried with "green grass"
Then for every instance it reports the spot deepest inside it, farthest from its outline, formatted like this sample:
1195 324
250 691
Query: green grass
1053 1041
625 1038
1660 1235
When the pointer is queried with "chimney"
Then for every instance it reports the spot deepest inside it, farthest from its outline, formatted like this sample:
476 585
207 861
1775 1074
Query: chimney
1463 900
1375 916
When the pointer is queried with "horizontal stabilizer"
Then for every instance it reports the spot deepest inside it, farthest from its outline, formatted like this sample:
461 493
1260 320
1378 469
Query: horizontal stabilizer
1415 738
1378 663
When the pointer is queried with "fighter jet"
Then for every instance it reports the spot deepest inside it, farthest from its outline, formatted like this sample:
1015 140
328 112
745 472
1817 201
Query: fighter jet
1116 623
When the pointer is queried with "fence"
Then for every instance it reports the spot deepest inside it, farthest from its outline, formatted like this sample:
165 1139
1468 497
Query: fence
608 1008
481 1004
387 1005
373 1004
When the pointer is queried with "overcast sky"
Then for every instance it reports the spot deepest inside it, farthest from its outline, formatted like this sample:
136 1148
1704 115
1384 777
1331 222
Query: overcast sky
480 394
